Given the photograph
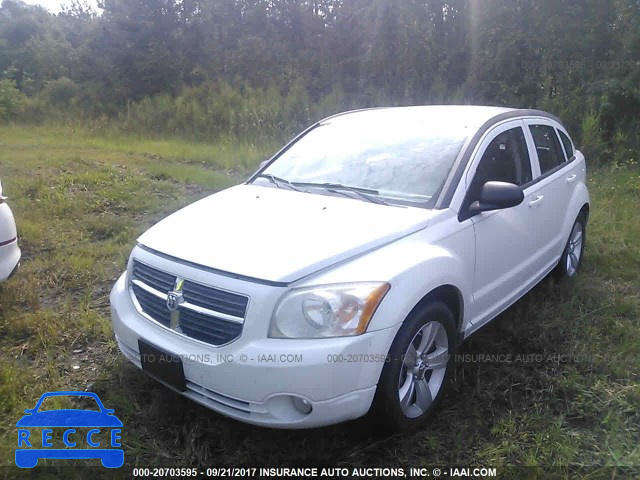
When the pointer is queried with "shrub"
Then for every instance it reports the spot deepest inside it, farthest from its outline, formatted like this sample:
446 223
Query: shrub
11 100
60 92
593 146
219 109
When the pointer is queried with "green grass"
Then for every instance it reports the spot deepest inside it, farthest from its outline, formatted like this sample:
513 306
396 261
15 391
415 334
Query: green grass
58 142
569 396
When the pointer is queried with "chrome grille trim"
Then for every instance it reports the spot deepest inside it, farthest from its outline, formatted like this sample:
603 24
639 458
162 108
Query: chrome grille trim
187 305
153 276
150 310
149 289
197 320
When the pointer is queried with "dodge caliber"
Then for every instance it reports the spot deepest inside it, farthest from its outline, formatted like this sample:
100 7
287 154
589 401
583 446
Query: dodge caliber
344 274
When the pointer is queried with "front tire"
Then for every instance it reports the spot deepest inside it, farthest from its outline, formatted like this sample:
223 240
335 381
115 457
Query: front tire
420 362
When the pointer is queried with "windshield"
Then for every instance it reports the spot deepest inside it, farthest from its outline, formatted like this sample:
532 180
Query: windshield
406 160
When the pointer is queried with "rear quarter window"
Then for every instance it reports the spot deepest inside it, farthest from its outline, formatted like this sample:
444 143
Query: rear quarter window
566 143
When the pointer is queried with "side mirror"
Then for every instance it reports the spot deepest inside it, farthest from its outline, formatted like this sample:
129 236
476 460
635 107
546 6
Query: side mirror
497 196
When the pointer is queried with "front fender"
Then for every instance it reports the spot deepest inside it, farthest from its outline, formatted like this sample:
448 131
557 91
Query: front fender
414 266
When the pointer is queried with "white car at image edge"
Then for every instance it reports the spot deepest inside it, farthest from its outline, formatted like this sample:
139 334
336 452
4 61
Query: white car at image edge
344 274
9 250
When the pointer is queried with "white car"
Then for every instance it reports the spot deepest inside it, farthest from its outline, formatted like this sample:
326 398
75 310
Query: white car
345 273
9 250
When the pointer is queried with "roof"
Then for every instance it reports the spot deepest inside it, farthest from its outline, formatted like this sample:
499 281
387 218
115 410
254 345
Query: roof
473 116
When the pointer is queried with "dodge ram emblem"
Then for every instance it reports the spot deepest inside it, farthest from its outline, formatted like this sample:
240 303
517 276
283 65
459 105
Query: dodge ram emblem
175 297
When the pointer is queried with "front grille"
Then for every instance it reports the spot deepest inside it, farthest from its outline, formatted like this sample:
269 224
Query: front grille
153 306
209 314
208 329
213 299
156 279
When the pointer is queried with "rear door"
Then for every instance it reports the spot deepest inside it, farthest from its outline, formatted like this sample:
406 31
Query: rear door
555 185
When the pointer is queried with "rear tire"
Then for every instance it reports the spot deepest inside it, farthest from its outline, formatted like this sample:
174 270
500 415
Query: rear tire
571 259
418 369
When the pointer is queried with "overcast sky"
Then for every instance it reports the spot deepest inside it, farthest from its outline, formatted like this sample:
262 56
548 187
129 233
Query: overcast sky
54 5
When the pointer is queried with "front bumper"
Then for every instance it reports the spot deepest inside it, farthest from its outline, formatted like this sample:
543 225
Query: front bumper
255 379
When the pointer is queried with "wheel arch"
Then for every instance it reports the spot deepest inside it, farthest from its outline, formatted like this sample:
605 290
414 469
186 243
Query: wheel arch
573 216
580 203
385 407
585 209
451 296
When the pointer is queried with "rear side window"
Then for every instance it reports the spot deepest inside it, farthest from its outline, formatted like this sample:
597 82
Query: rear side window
548 147
568 146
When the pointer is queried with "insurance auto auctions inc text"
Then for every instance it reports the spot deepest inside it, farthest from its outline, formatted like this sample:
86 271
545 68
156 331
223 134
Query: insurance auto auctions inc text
375 472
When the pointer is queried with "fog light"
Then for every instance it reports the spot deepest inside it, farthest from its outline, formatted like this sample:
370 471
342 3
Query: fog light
302 405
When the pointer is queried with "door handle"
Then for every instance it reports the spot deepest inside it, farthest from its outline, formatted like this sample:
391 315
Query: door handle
572 178
536 201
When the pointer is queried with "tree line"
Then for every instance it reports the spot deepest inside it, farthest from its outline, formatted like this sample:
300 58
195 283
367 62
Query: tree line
204 68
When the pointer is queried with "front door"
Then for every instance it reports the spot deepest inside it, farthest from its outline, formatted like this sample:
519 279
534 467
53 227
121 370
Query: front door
504 238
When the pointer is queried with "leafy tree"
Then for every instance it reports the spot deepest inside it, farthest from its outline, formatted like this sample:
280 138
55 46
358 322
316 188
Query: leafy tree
179 58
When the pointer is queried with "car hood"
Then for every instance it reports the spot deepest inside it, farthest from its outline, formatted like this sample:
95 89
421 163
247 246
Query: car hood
279 235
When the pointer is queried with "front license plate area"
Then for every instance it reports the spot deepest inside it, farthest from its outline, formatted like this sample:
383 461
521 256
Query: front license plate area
162 366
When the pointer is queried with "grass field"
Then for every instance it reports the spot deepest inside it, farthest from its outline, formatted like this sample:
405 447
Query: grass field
567 394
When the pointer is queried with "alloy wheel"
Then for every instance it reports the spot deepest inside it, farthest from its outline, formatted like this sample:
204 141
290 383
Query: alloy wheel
575 249
423 369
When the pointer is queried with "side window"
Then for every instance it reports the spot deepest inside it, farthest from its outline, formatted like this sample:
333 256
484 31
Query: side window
548 147
568 146
506 159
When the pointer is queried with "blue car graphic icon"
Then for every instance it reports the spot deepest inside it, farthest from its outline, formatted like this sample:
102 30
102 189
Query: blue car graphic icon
104 432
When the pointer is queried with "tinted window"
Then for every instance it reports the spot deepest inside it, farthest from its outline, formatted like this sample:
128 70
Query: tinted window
568 147
548 147
506 159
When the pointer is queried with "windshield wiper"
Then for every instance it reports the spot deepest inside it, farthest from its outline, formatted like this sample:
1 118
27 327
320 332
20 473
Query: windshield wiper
366 193
278 182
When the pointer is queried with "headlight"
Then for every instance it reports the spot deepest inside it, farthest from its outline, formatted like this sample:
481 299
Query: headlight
327 311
